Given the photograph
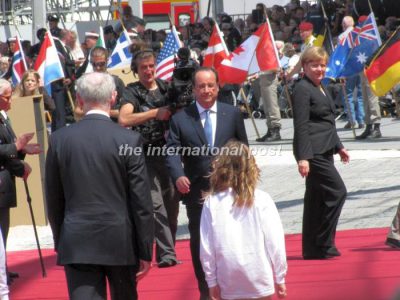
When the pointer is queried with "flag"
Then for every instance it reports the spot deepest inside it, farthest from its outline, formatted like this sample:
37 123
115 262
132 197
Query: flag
48 63
18 62
383 70
324 38
121 56
166 57
353 50
257 53
100 41
216 51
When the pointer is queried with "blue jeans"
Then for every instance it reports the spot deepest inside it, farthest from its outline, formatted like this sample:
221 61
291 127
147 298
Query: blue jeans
356 105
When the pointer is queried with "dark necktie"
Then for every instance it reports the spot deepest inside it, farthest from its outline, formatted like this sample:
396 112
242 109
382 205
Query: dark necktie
208 129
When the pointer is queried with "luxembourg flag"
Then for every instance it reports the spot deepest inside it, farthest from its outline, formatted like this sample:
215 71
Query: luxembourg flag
48 63
18 63
256 54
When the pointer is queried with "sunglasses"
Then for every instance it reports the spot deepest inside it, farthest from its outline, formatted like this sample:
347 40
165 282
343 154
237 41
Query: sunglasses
100 64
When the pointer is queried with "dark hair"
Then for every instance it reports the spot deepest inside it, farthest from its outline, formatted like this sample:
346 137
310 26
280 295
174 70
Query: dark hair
141 55
204 69
40 33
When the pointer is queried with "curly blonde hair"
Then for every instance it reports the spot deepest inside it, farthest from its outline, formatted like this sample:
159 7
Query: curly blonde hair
235 167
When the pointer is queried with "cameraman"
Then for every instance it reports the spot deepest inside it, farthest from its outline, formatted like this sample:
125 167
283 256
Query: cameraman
144 108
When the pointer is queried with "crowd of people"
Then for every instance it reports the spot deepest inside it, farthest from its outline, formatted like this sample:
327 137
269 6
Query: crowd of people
102 193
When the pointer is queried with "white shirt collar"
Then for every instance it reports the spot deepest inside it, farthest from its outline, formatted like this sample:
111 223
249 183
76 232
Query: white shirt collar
201 109
97 111
4 114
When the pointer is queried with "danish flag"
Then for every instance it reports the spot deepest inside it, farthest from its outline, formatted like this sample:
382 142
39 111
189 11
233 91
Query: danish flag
216 51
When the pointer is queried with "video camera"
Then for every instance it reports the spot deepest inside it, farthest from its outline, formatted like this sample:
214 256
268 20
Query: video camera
180 91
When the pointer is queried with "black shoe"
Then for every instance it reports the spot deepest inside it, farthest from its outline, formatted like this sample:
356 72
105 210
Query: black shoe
361 125
168 263
393 243
366 133
13 275
275 135
264 137
376 133
333 251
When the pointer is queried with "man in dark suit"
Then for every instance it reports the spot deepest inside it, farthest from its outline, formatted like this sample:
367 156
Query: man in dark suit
59 88
201 126
98 198
12 153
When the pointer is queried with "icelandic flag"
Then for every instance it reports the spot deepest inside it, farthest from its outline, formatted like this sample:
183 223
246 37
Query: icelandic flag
353 50
121 56
18 63
166 57
48 63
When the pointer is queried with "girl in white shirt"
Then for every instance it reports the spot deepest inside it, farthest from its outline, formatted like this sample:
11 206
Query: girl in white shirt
242 240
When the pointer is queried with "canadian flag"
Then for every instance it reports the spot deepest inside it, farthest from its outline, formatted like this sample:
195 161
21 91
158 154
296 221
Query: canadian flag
257 53
216 51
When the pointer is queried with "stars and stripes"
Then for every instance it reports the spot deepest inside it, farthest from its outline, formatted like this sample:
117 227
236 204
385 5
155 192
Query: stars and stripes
166 57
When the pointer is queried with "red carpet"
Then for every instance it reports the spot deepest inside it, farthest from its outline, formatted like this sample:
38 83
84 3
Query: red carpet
367 270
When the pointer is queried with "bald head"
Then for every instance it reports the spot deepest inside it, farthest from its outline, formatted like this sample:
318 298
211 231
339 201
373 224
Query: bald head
347 22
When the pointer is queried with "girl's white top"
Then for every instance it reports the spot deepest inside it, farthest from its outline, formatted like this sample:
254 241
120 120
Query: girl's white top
242 249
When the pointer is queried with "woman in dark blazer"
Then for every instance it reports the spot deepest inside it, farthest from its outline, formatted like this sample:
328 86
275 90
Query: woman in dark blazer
314 144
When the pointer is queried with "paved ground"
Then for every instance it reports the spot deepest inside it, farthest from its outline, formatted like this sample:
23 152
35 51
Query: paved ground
370 177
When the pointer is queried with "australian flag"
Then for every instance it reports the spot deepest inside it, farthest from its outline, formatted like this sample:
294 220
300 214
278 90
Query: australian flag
353 51
121 56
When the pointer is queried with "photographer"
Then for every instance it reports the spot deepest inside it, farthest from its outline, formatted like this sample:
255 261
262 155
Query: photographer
144 108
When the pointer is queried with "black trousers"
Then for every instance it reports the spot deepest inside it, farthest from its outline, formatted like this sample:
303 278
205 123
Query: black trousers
4 223
194 215
323 201
89 282
59 114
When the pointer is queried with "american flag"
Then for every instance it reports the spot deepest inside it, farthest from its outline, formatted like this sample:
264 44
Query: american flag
165 59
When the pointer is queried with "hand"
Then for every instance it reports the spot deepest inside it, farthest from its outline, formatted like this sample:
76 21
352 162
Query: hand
67 81
22 140
215 293
183 184
27 170
143 269
163 113
281 289
32 149
304 167
344 156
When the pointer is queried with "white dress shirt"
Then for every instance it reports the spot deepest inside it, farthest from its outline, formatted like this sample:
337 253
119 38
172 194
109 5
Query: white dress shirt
242 249
213 117
97 111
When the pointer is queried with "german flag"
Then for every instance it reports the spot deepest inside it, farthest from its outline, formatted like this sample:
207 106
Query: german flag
383 70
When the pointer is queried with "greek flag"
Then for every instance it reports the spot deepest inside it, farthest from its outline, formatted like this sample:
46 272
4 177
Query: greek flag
121 57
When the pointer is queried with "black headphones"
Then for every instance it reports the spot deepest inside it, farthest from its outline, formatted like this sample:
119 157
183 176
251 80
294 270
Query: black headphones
136 54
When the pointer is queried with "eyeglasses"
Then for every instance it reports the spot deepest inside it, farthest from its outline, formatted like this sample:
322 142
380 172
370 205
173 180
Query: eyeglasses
100 64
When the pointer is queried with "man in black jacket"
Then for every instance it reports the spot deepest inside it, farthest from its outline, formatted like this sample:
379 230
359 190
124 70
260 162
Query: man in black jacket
144 108
12 153
98 199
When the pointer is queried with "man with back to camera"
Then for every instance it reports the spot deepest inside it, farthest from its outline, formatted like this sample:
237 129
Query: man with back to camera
205 123
98 199
12 153
144 108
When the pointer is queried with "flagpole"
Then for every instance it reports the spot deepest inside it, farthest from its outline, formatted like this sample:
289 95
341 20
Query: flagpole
327 27
246 103
370 6
346 100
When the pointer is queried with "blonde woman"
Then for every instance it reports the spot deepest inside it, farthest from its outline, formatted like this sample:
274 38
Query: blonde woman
242 240
30 85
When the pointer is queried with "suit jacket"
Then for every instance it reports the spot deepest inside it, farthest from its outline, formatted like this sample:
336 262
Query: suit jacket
11 165
314 121
98 197
186 130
